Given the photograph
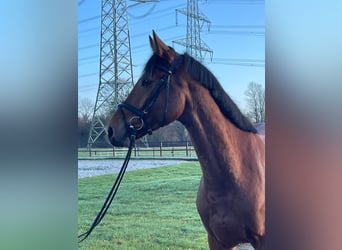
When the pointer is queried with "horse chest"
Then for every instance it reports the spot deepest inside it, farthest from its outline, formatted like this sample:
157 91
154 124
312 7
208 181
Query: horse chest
223 212
216 202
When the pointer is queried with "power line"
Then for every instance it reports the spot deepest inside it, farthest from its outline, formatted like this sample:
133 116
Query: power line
220 26
89 62
89 46
161 29
240 2
239 62
86 75
159 13
88 57
147 45
86 88
245 32
88 30
145 14
89 19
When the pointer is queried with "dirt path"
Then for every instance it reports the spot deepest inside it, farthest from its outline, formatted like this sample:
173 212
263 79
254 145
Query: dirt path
88 168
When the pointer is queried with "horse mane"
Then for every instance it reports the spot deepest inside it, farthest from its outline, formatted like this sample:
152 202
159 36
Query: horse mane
202 75
225 103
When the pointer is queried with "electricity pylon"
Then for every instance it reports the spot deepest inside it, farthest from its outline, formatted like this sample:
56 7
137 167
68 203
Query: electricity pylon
116 73
193 43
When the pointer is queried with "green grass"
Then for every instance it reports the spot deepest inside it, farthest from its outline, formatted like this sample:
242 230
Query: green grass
153 209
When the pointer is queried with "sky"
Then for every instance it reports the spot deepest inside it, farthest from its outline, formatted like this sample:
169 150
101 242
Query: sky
236 34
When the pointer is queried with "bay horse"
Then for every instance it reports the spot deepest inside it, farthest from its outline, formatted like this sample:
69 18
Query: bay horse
231 194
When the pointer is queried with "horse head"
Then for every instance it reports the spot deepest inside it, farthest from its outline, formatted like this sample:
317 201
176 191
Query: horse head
156 100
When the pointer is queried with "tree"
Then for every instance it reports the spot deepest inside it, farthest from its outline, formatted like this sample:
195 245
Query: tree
174 133
255 95
85 109
85 112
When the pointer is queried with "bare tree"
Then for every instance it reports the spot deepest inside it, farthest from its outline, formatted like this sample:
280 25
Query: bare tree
85 112
85 109
174 132
255 95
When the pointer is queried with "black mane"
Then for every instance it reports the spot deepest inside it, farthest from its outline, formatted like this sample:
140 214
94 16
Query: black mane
226 104
209 81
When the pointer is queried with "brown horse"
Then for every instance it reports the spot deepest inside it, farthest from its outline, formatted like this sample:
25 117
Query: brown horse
231 195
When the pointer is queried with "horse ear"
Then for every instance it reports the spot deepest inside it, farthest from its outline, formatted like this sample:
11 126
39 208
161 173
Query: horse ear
152 44
161 49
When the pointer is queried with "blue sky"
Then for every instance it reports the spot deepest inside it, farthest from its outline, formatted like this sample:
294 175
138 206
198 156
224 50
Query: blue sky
236 37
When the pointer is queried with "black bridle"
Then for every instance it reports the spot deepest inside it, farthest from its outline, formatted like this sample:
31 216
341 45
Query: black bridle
138 121
133 130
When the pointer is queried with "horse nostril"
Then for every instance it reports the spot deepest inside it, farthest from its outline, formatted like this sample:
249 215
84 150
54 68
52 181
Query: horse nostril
110 132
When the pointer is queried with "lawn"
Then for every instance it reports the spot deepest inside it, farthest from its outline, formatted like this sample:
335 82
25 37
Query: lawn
154 209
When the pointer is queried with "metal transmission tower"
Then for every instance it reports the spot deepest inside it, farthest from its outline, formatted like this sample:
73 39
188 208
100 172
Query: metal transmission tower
116 74
195 46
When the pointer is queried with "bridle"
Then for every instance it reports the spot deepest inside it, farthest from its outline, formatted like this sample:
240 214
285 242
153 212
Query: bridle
138 121
140 115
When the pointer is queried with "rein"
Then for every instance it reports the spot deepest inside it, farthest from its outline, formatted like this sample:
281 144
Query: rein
139 115
112 192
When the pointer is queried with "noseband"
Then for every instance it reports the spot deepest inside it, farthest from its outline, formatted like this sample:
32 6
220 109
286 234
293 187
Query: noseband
138 121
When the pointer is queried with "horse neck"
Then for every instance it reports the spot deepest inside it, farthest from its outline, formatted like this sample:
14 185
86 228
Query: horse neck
215 138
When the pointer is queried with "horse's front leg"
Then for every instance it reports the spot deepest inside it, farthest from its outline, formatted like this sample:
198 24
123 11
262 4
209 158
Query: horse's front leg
215 245
258 242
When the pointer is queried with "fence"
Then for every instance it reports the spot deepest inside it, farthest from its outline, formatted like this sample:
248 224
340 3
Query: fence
154 150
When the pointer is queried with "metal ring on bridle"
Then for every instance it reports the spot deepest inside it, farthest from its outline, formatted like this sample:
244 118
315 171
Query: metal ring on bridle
140 121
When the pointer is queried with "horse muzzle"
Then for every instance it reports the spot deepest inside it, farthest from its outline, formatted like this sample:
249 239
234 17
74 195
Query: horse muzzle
116 139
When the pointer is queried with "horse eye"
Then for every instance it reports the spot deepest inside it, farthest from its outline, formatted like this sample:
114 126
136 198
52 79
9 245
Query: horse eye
145 82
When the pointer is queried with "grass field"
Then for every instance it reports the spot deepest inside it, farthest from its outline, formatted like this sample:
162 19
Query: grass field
154 209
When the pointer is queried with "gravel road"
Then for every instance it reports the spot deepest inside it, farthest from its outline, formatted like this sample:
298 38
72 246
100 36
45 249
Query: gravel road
88 168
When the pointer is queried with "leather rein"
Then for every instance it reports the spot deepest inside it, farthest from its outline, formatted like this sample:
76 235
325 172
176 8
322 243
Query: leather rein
139 115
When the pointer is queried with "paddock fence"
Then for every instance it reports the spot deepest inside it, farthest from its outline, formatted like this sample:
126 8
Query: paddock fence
167 150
